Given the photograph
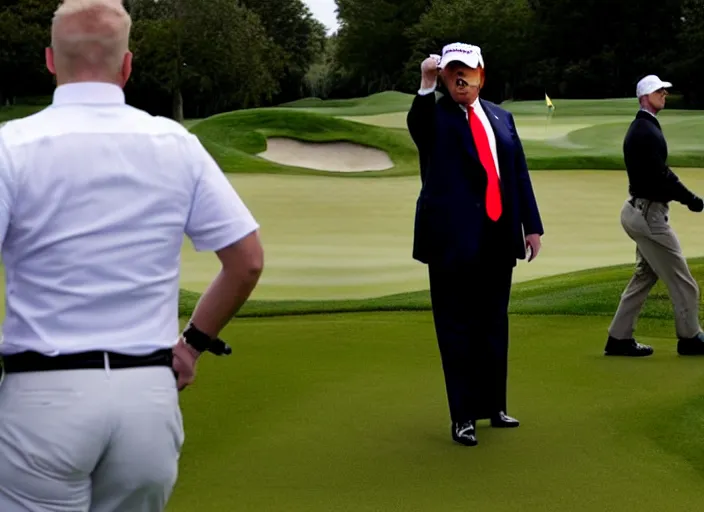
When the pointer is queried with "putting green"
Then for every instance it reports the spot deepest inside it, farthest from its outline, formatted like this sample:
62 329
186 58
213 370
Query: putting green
326 238
574 139
348 412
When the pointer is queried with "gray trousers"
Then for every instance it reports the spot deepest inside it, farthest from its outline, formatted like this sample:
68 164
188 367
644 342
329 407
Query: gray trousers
89 440
658 255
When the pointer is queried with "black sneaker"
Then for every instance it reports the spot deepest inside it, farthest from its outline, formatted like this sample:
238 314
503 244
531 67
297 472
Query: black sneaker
691 346
465 433
629 348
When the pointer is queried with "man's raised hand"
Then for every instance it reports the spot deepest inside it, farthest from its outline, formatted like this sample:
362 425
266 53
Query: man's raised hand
429 70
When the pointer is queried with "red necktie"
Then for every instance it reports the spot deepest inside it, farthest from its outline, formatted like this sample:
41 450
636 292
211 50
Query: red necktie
493 193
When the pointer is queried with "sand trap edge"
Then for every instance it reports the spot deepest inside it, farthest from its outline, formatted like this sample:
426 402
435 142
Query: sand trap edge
326 156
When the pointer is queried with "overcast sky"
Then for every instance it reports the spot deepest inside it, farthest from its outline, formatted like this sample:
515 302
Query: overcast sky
324 10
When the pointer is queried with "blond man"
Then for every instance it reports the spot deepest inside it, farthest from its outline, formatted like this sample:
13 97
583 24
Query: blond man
96 199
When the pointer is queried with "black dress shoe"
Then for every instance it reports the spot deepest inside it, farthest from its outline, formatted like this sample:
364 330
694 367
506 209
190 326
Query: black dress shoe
691 346
630 348
503 420
465 433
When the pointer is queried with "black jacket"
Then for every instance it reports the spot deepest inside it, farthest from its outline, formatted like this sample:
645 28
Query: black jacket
450 209
645 154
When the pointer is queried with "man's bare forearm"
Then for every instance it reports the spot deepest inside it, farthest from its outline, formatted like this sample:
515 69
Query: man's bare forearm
223 299
428 82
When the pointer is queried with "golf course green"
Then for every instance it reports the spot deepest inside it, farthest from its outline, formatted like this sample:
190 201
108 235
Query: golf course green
333 398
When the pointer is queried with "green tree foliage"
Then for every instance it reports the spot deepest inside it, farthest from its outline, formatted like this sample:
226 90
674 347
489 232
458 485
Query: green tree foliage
324 74
597 48
24 35
213 54
568 48
194 58
298 40
688 69
503 28
373 41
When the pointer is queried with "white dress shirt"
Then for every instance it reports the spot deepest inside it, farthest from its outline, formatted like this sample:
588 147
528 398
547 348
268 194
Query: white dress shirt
95 199
481 114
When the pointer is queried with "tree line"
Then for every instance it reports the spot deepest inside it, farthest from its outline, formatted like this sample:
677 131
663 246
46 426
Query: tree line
195 58
567 48
192 58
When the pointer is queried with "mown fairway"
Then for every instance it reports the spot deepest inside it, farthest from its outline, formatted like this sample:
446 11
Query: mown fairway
349 238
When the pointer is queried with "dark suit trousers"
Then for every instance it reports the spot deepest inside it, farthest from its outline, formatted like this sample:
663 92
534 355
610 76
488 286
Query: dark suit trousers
470 311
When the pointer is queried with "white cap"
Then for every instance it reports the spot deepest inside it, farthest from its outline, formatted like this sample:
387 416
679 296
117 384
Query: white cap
465 53
650 84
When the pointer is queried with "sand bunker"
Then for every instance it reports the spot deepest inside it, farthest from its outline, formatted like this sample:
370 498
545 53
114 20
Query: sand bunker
326 156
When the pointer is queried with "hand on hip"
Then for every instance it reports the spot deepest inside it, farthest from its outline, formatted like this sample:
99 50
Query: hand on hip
184 364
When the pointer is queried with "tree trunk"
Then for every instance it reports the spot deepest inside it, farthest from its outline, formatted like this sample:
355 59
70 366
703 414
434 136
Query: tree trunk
177 111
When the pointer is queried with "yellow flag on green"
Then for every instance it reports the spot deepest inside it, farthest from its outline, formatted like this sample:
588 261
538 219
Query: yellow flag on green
548 102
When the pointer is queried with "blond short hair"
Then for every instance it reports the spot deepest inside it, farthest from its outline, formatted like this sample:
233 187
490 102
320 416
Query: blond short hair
90 35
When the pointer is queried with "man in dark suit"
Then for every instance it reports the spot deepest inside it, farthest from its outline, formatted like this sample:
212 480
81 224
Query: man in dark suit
475 216
644 217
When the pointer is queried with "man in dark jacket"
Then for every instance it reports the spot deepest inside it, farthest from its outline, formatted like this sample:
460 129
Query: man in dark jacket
475 204
644 217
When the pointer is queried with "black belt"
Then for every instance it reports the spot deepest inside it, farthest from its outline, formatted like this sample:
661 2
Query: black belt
35 362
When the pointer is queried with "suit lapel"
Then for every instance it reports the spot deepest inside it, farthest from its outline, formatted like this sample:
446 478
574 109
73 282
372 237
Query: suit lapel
467 138
459 117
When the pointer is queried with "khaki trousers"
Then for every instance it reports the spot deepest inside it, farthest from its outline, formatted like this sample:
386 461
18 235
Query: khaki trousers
658 255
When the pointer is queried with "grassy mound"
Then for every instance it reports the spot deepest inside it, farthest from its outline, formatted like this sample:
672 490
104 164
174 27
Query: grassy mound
594 292
235 138
380 103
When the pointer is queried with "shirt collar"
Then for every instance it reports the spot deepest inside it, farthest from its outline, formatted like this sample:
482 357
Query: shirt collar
649 112
89 93
475 105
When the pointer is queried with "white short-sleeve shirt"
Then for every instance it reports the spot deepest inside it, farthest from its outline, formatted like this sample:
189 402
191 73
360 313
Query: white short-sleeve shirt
95 200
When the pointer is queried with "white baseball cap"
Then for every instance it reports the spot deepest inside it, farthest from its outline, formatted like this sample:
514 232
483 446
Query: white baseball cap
650 84
465 53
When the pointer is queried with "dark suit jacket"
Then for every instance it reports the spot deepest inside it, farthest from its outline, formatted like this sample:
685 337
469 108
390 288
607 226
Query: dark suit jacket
450 211
645 155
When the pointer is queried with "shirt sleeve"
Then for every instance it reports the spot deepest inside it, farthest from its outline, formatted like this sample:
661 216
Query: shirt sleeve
427 90
218 216
6 190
